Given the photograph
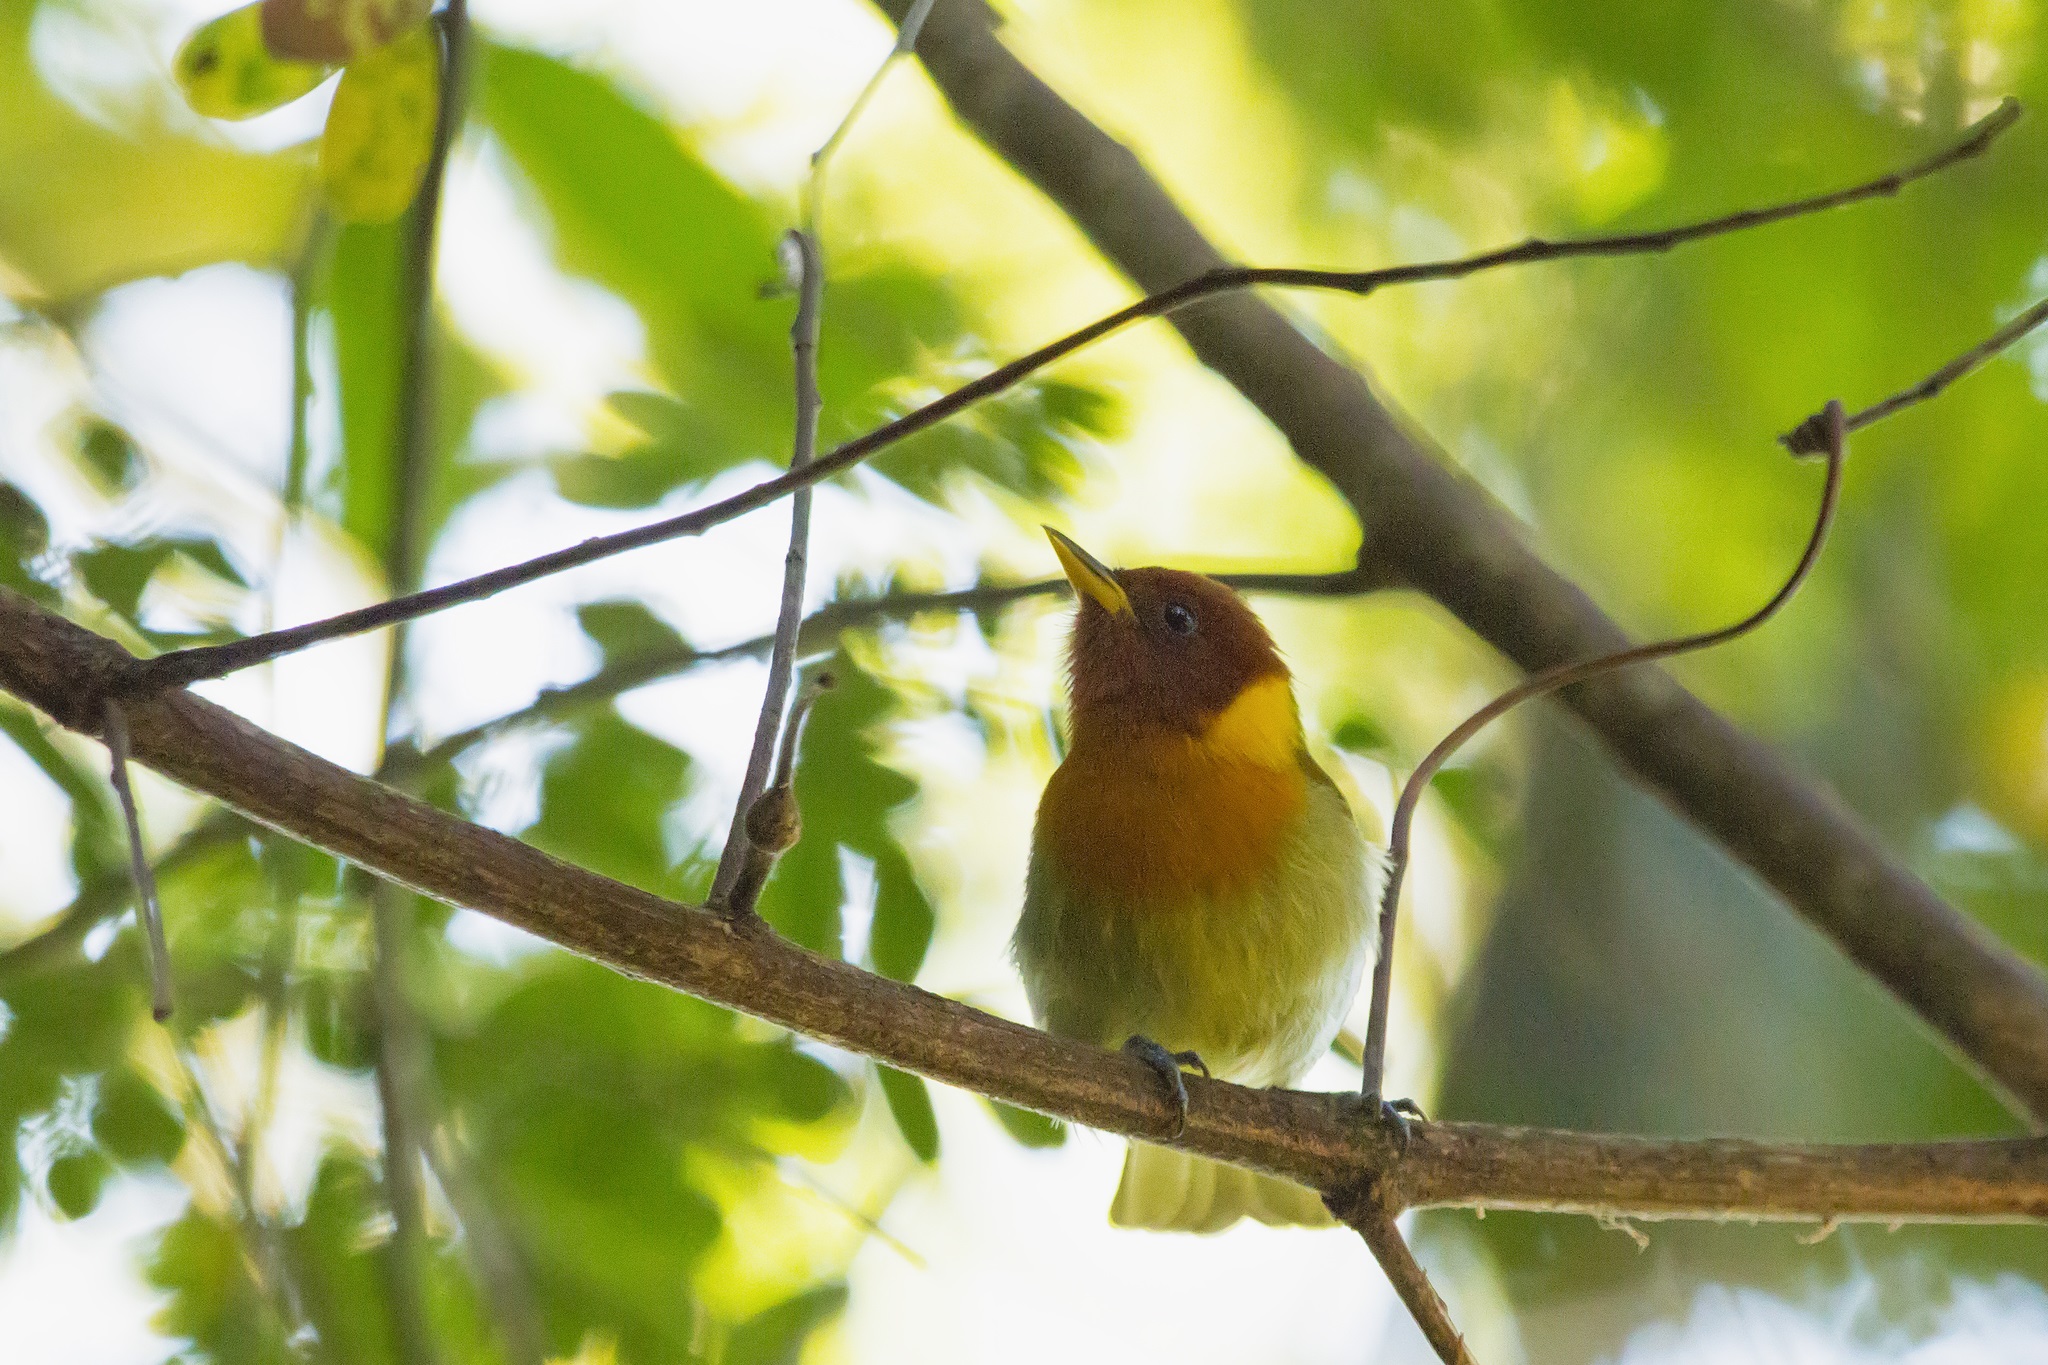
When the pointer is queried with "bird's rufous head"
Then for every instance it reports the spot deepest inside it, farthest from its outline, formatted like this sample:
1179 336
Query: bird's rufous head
1162 650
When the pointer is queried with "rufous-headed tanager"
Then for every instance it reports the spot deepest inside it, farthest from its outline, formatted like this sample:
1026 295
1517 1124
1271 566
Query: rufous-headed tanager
1198 888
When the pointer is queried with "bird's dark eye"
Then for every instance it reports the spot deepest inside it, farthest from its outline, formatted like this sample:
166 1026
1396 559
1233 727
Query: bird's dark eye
1180 619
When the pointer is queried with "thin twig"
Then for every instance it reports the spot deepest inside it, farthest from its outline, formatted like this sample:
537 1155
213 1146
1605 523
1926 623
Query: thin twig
275 1020
1551 680
816 635
808 268
184 666
399 1064
493 1252
148 910
261 1259
1810 437
814 184
774 821
1367 1213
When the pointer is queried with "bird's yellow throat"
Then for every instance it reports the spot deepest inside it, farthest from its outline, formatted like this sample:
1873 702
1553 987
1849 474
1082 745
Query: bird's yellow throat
1261 727
1160 820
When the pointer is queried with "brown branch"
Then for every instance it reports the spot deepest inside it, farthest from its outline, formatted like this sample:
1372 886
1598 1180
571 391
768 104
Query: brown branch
1833 428
1428 528
809 270
1325 1141
1366 1211
1810 436
1170 296
774 821
1485 1166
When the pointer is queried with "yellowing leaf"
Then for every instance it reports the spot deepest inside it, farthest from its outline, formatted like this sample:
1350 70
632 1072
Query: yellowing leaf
2016 756
380 130
226 71
337 30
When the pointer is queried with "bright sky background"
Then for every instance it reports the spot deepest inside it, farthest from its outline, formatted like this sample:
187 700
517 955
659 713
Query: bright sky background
1015 1258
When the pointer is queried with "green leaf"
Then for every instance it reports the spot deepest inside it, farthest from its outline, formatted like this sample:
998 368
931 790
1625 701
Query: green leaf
1476 796
1028 1128
615 183
605 798
627 631
364 294
335 1007
904 920
227 72
847 798
98 839
777 1336
109 456
662 419
363 290
75 1182
337 1256
380 128
799 1088
1029 440
24 530
617 186
119 574
1362 735
200 1261
133 1123
910 1104
582 1094
24 535
69 1022
639 477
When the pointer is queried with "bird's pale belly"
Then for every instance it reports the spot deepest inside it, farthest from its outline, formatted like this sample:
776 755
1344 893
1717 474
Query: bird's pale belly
1254 969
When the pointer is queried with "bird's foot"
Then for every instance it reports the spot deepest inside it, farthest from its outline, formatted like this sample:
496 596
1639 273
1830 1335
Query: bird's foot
1168 1065
1394 1116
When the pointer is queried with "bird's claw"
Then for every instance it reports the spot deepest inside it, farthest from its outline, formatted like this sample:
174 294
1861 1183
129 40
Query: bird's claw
1394 1116
1168 1065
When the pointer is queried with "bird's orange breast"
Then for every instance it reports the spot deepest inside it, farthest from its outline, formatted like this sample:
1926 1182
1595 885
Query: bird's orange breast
1158 820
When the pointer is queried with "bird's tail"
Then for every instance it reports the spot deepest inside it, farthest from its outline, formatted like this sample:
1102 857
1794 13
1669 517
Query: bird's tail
1168 1191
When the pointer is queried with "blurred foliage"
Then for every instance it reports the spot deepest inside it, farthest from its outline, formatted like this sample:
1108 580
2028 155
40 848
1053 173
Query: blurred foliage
380 128
227 72
583 1128
583 1131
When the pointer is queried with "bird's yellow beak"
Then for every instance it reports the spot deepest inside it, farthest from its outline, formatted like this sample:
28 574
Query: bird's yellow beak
1090 576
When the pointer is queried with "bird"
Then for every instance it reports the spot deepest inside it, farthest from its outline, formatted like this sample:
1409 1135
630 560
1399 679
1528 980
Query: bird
1198 891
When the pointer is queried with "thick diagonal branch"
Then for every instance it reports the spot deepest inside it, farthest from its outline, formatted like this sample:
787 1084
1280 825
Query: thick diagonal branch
1428 528
1326 1141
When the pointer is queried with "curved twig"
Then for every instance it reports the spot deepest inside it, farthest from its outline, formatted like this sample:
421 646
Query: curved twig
1832 424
